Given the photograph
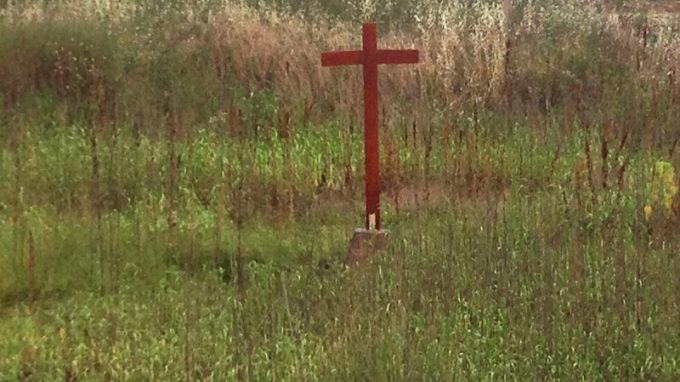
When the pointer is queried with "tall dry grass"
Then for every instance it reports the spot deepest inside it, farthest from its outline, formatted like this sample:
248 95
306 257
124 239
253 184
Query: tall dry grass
145 62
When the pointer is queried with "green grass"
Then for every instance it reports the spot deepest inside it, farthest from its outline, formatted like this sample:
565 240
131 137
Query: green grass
166 214
485 280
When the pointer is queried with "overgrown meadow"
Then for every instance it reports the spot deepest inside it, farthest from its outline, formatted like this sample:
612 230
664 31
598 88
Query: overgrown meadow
179 181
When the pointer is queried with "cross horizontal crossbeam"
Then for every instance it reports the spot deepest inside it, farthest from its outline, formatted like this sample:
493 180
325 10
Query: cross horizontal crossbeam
357 57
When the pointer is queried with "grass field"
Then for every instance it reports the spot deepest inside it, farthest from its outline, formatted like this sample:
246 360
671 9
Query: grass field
179 181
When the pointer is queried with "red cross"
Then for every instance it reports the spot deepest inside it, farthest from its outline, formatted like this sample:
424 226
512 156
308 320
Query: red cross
370 57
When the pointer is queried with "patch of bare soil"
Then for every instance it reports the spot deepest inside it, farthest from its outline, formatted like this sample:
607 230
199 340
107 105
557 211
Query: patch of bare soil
663 6
435 194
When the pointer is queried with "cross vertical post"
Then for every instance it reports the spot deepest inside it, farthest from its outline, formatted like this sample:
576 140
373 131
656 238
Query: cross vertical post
370 57
371 132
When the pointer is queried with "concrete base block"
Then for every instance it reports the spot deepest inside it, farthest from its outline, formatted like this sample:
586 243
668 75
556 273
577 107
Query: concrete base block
364 244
